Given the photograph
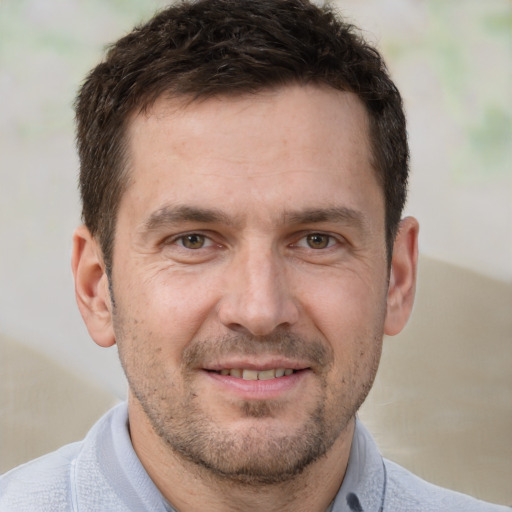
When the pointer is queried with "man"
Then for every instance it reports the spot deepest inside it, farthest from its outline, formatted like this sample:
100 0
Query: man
243 174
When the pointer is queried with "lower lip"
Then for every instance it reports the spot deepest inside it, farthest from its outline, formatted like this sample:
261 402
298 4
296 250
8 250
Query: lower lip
259 389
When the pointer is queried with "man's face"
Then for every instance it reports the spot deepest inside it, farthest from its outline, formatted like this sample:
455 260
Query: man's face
250 245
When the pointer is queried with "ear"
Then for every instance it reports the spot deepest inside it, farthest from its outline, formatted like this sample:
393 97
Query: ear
402 279
91 287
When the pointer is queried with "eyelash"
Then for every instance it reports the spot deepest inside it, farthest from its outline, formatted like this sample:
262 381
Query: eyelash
302 242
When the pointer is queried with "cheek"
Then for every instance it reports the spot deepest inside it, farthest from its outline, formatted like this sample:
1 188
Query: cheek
183 306
345 304
354 368
155 322
350 314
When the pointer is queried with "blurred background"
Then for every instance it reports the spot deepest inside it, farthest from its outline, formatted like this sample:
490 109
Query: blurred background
442 404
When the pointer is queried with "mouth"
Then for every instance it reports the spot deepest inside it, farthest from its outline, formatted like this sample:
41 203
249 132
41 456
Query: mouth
250 374
264 381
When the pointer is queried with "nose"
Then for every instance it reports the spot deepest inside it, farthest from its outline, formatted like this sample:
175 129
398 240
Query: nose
257 298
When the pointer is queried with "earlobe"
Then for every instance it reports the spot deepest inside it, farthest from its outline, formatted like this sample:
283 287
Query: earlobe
91 287
402 279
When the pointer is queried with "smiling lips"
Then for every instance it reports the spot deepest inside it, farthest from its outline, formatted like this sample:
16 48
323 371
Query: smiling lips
249 382
247 374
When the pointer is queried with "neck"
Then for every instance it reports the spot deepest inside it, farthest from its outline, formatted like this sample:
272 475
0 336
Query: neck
188 486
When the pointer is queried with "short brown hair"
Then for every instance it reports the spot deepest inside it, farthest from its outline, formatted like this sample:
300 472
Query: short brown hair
206 48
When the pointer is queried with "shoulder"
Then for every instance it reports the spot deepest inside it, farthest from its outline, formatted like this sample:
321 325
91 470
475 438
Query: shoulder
407 492
57 481
41 484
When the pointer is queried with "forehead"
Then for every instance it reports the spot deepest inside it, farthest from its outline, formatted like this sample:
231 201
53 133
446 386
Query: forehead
306 114
294 143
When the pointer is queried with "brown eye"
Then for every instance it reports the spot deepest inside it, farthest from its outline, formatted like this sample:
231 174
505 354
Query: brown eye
193 241
318 241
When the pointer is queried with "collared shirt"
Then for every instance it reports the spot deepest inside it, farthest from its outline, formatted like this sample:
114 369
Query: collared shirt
103 472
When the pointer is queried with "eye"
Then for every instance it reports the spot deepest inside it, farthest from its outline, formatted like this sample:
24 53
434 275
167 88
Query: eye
193 241
316 241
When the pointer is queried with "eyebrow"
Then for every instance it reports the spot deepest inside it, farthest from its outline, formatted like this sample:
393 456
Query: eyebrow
175 214
170 214
338 214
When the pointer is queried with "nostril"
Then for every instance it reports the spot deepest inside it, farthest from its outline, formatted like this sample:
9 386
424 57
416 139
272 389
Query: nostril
258 329
238 328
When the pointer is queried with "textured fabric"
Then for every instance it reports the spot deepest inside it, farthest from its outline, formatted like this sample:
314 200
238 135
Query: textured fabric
103 473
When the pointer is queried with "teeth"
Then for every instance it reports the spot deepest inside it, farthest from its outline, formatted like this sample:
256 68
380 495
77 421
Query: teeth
250 375
267 374
255 374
